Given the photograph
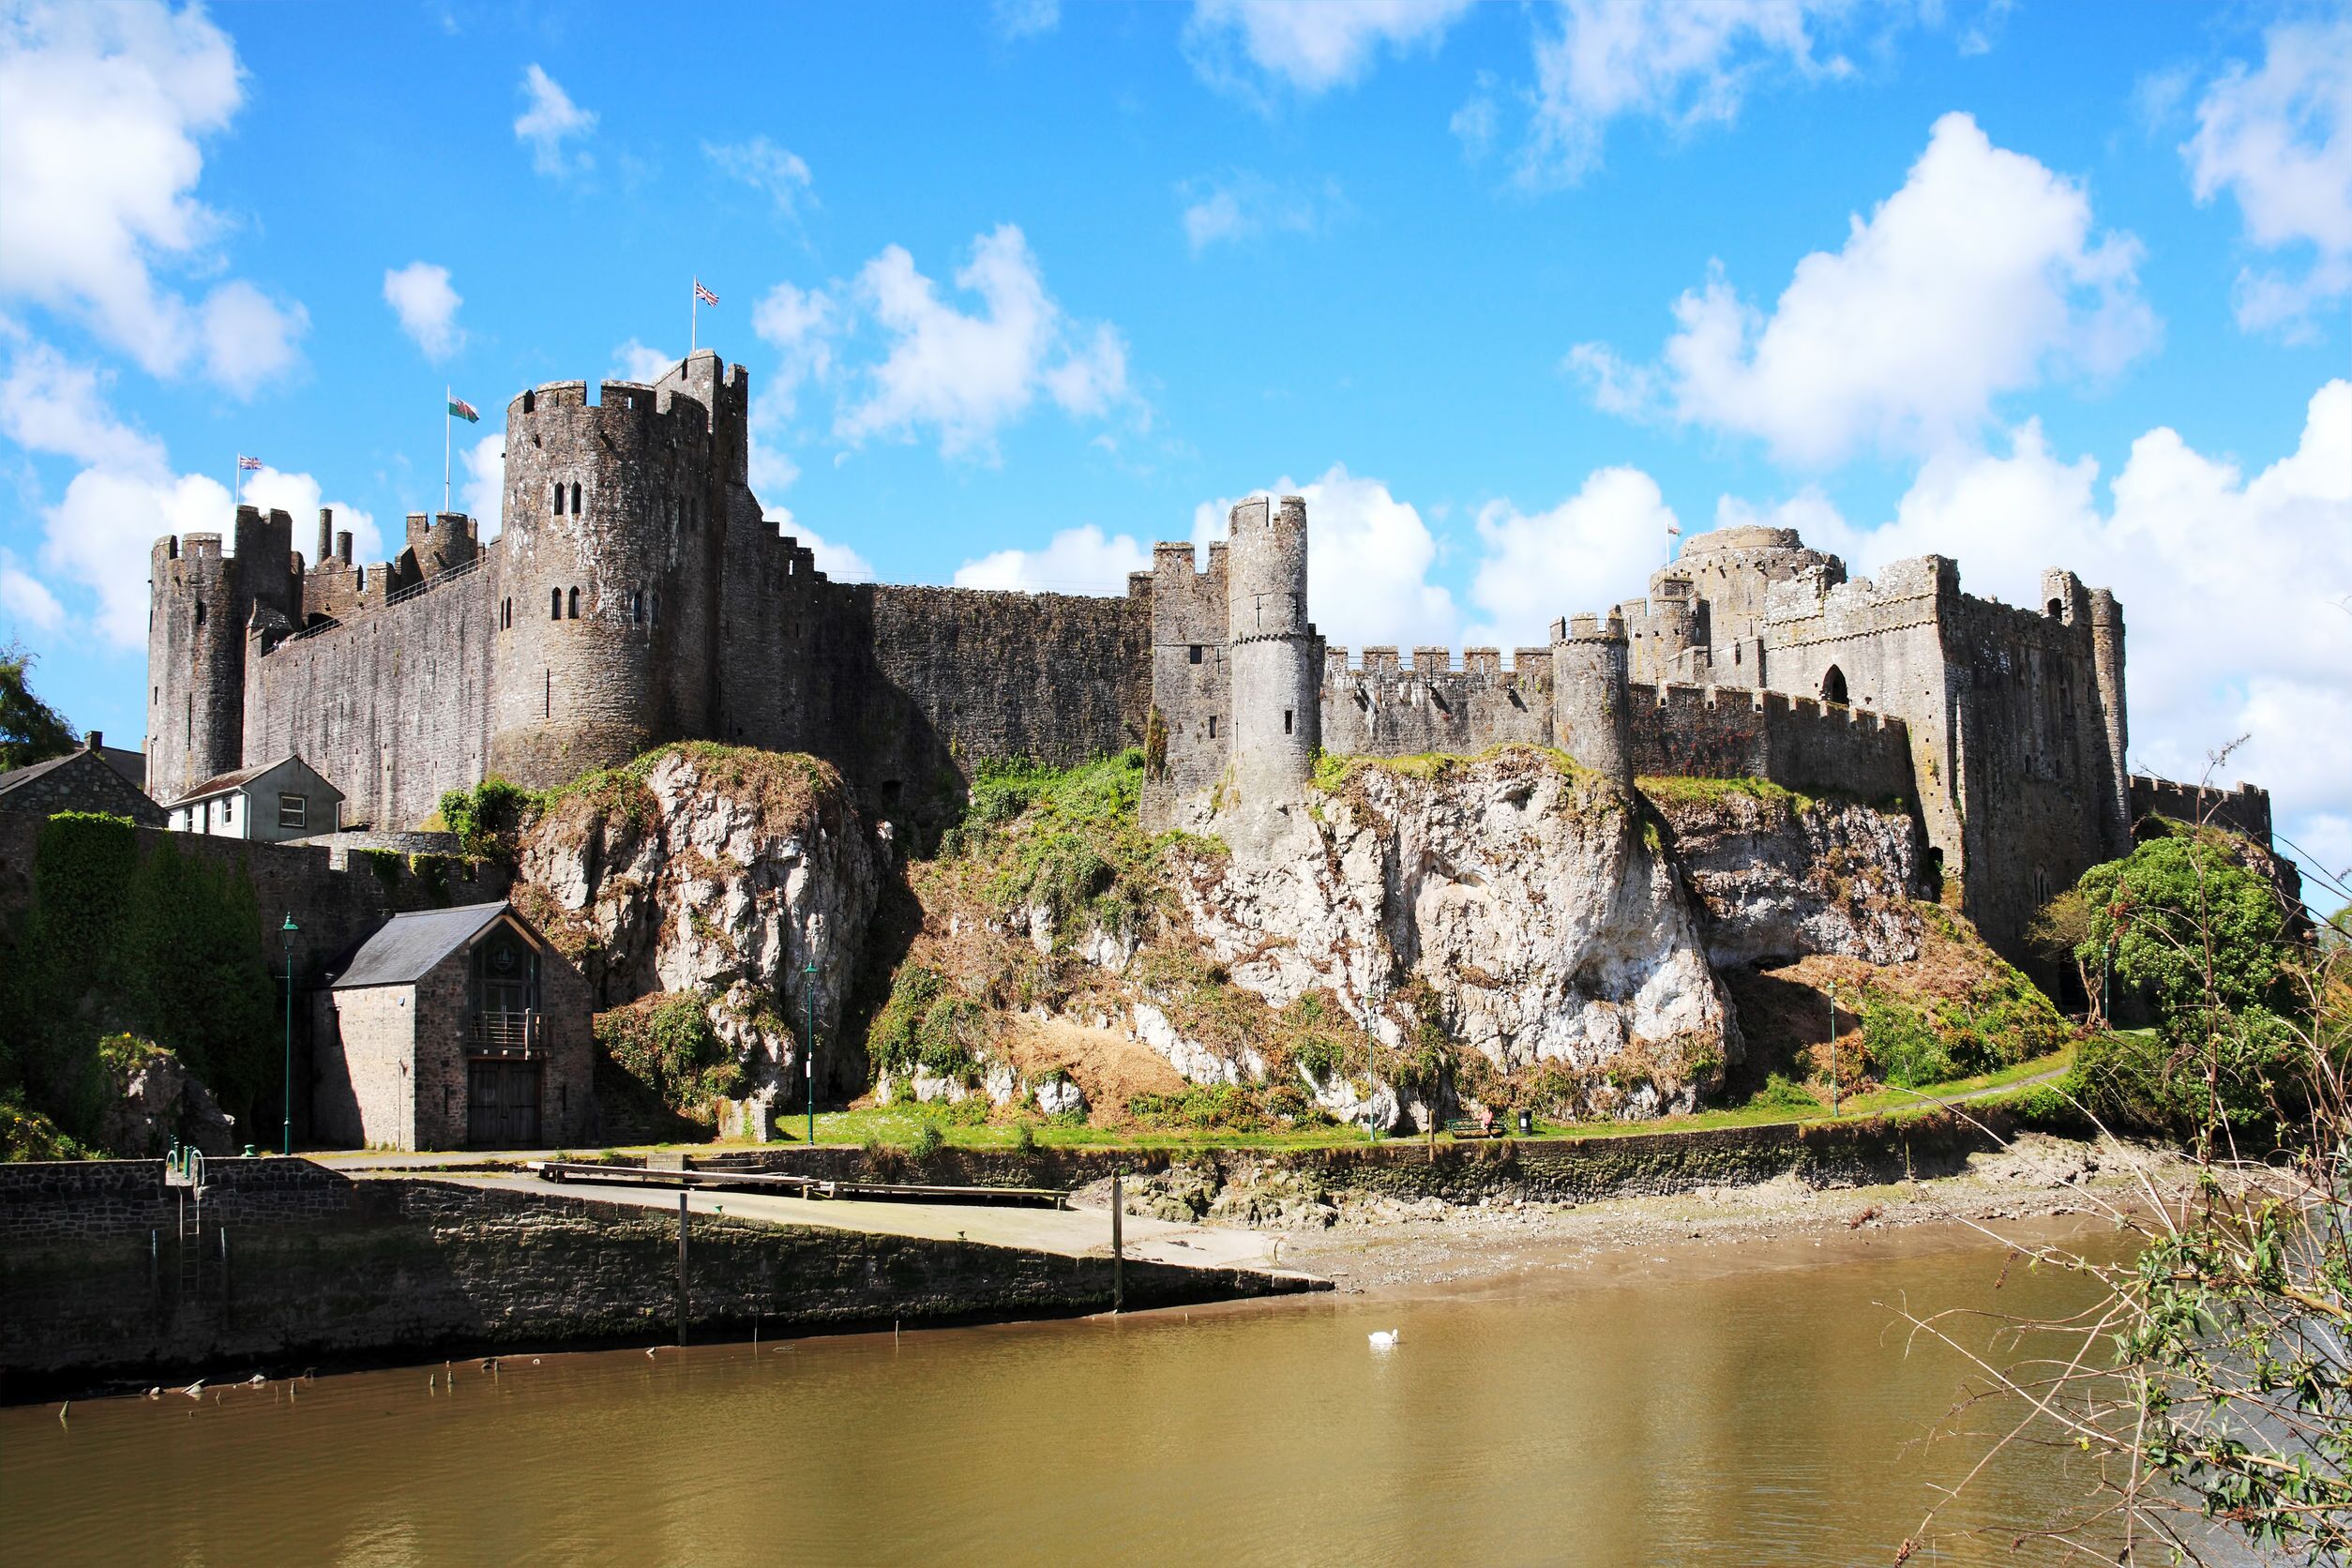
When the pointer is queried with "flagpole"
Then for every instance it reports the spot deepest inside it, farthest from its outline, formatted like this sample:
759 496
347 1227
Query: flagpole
446 395
694 315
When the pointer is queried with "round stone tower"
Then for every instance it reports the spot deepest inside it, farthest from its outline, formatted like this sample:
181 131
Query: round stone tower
198 600
1591 695
602 589
1271 652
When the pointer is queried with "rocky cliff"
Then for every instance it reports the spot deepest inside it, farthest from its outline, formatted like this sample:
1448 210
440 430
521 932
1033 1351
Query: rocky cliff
745 876
1522 908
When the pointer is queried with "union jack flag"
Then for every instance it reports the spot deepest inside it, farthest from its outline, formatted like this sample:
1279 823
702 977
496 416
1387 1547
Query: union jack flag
704 294
250 465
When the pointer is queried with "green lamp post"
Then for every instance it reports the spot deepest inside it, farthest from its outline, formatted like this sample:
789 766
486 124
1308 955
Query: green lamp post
808 984
287 933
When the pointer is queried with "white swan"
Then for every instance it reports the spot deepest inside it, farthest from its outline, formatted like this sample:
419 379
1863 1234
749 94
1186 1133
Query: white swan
1385 1339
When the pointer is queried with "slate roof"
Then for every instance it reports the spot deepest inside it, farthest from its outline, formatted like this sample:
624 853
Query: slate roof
409 946
220 783
25 774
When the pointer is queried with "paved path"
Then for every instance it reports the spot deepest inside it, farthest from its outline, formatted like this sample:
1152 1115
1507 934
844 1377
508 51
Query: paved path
1072 1232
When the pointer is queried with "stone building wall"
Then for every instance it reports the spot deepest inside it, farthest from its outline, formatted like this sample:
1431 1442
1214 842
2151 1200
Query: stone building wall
1378 709
1191 685
1719 733
363 1065
392 706
84 781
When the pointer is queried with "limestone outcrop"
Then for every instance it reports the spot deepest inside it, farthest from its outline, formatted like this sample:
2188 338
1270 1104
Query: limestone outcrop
1780 876
717 869
1523 907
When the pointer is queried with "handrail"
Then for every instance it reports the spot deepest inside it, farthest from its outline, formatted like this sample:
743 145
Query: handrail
398 595
183 1167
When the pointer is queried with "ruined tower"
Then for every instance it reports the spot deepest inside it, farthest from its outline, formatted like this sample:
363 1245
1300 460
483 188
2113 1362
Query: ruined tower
1591 695
1276 688
2106 658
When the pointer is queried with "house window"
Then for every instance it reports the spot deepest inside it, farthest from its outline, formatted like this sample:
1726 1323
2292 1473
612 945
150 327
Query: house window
294 811
556 604
1193 654
575 605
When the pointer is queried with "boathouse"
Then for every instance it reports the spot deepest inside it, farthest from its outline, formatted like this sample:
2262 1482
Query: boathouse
456 1028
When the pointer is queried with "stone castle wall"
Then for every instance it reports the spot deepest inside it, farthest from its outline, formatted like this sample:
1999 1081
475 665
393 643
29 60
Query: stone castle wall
1798 744
1378 709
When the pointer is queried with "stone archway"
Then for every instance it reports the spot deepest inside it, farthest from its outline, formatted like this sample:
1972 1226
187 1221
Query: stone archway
1833 687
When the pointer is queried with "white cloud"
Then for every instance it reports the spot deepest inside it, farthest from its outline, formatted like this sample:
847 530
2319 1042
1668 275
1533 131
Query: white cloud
482 485
1021 19
1367 569
47 403
776 173
102 109
1242 206
1313 45
1613 531
99 534
419 294
801 325
2280 142
550 121
837 562
1982 274
1475 122
2237 591
635 361
1076 561
1684 64
966 376
25 601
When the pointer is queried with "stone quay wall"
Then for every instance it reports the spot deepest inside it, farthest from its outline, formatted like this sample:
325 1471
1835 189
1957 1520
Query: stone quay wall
419 1269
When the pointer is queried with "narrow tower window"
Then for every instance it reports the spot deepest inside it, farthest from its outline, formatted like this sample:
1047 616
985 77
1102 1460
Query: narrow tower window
1286 720
548 698
556 604
575 605
559 498
1213 727
637 608
656 606
575 497
1194 653
200 612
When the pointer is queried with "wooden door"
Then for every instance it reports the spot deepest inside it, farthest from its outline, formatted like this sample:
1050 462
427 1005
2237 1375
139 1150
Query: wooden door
501 1109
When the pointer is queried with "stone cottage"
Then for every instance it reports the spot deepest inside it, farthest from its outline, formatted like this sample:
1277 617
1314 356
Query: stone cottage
98 778
457 1028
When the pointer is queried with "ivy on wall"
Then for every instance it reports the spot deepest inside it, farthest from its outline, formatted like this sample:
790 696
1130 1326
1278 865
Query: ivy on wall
167 947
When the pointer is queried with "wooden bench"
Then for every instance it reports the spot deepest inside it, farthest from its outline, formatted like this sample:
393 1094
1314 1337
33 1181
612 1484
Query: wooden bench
1468 1127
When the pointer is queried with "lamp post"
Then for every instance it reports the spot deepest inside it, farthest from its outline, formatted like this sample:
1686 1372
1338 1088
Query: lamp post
808 984
287 933
1832 1048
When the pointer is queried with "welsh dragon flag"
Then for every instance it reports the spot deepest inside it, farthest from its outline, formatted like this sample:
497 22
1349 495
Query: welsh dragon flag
464 410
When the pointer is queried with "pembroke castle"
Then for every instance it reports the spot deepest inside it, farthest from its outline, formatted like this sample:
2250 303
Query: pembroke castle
635 593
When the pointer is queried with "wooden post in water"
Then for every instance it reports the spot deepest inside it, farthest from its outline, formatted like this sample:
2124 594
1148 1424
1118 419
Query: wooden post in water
682 1269
1118 1243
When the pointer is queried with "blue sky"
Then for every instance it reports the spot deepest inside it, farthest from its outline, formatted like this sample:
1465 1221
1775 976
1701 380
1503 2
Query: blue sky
1506 289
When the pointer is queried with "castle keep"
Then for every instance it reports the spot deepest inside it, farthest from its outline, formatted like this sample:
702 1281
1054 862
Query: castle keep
637 594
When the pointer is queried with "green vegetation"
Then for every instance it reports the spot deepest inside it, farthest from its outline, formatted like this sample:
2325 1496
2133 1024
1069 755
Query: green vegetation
660 1054
166 948
1679 790
2203 940
1779 1093
926 1024
782 784
30 730
486 817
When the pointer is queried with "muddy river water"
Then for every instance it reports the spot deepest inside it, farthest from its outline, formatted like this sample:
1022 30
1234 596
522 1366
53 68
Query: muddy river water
1655 1412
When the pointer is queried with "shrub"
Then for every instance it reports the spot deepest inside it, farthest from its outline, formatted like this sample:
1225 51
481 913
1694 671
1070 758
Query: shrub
664 1048
486 817
927 1140
1902 1045
1780 1094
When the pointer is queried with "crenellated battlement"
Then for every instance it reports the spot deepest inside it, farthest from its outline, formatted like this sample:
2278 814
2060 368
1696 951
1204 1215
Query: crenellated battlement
2244 811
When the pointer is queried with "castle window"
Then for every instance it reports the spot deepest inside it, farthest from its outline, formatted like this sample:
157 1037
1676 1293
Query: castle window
1213 727
1833 687
200 612
505 614
574 614
559 498
1286 721
556 604
637 608
1193 653
656 606
575 497
2058 610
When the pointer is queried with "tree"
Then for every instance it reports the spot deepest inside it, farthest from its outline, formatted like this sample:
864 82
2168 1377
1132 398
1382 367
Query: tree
30 730
2207 1385
2058 933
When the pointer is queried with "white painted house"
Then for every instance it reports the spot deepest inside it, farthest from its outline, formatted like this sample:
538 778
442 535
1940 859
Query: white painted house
285 799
